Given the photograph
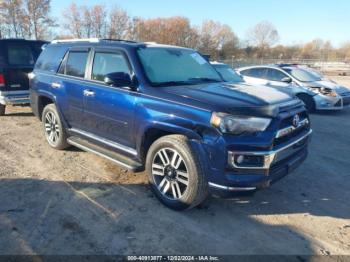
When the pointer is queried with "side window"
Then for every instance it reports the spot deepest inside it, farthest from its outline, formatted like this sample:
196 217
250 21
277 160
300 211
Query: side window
50 58
255 72
275 75
20 55
106 63
76 63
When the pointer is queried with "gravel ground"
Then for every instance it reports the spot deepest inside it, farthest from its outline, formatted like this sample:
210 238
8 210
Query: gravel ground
73 202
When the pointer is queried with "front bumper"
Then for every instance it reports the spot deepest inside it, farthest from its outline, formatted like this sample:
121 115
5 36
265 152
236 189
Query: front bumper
279 163
323 102
14 98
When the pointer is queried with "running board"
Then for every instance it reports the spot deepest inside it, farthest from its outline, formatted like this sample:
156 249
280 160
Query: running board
118 159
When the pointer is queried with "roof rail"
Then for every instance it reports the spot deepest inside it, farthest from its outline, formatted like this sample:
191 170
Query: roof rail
91 40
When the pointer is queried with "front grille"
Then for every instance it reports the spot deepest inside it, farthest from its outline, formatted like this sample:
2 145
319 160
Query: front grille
287 122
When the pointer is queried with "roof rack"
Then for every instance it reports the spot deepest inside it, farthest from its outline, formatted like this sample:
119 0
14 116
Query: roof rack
90 40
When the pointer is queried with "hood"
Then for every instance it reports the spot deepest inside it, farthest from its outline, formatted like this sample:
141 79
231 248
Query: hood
232 97
328 84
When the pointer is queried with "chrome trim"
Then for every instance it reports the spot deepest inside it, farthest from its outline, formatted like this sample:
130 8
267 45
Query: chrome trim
231 188
105 141
290 129
85 148
269 155
56 85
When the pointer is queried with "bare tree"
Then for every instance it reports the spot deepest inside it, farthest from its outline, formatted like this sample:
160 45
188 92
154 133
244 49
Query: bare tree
73 22
98 16
263 35
37 18
217 40
13 17
120 24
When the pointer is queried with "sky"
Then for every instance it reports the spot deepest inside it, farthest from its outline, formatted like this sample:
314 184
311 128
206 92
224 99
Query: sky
297 21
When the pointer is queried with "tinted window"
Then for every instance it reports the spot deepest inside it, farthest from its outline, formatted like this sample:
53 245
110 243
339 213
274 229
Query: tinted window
20 55
50 58
275 75
106 63
76 63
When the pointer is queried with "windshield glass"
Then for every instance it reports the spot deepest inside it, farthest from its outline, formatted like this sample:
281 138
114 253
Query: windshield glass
228 74
302 75
172 66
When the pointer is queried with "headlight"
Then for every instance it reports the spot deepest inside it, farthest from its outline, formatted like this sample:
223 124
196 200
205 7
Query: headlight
324 91
238 124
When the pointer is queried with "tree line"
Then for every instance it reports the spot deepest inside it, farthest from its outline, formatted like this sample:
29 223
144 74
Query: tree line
31 19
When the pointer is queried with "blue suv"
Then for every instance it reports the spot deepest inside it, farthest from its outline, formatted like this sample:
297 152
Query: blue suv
166 110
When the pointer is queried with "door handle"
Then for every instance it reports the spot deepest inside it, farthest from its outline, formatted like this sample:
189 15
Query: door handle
89 93
56 85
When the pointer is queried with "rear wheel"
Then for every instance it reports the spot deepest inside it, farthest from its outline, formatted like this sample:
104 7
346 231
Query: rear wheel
54 131
2 110
176 173
308 101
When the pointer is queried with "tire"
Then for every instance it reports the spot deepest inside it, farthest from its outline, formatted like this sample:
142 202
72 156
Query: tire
2 110
308 101
54 131
177 175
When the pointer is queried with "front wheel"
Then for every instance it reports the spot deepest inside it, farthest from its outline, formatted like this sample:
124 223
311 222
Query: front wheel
308 101
2 110
54 131
176 173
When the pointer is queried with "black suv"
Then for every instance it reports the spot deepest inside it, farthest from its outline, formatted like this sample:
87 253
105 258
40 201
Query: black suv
17 59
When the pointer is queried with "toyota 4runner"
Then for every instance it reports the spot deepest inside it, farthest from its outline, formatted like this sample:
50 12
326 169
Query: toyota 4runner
165 109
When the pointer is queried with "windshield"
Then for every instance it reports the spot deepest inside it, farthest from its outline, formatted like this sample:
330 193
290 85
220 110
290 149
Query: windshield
172 66
228 74
302 75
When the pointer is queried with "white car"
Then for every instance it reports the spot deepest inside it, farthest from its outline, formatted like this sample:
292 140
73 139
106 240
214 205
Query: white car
317 93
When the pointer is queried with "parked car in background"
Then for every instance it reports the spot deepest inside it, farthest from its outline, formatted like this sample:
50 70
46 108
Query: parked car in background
315 92
227 73
166 110
17 59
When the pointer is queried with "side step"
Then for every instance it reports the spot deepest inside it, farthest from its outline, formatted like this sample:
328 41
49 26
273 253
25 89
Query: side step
118 159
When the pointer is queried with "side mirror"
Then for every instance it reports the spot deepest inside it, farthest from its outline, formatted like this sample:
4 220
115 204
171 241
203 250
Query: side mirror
118 79
287 80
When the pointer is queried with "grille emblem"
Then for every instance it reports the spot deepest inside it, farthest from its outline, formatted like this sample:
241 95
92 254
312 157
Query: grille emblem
296 121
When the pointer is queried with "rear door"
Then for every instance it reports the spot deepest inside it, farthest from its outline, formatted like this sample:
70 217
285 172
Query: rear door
68 85
20 57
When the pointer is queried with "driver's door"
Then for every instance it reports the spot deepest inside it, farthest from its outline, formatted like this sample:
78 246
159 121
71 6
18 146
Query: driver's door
109 111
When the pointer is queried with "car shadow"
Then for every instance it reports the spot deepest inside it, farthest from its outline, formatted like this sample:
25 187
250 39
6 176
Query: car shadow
59 217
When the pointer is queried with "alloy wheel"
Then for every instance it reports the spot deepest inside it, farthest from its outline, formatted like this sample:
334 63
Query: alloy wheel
170 173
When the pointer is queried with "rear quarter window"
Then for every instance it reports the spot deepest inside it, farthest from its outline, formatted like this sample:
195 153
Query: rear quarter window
51 58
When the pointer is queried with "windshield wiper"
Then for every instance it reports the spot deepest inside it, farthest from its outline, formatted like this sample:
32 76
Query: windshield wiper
204 79
172 83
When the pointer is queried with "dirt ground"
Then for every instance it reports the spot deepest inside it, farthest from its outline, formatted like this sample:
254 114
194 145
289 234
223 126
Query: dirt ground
73 202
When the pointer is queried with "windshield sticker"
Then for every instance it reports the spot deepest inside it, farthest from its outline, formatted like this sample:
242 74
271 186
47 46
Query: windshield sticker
200 60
